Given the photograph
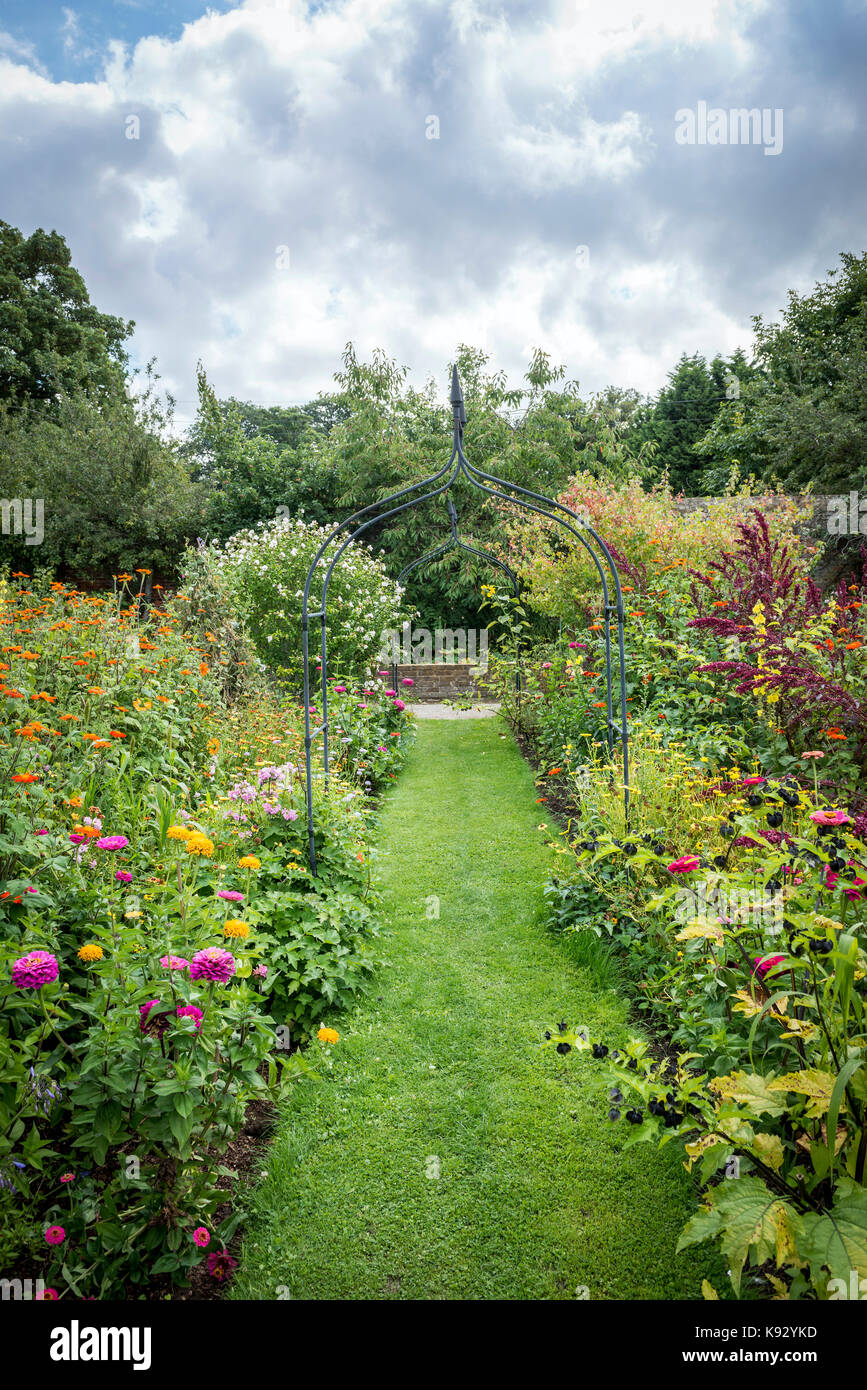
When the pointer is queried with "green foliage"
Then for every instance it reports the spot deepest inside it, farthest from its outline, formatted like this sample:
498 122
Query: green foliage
144 821
53 341
802 416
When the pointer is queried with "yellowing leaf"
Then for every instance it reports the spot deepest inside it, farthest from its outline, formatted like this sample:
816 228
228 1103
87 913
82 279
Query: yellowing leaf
769 1148
815 1084
709 1292
701 927
750 1089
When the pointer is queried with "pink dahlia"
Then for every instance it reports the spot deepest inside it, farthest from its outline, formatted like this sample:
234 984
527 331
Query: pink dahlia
213 964
190 1011
55 1235
174 963
112 842
35 970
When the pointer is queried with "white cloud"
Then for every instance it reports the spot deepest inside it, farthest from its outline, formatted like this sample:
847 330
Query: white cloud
275 124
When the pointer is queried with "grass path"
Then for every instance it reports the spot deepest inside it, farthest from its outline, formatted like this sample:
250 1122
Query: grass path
439 1070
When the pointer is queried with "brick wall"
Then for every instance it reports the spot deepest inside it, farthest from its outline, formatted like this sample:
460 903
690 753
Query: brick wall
443 681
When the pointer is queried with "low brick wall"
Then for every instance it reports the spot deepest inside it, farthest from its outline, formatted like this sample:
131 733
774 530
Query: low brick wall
439 681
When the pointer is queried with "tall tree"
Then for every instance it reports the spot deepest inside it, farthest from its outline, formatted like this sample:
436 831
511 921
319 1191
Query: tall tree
52 339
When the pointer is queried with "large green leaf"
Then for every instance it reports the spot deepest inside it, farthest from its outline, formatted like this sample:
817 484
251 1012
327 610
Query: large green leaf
836 1240
750 1220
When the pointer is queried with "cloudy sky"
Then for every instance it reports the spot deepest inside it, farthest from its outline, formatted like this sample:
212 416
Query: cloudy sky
257 183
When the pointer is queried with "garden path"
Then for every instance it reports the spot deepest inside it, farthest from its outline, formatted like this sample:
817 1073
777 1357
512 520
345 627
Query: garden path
446 1155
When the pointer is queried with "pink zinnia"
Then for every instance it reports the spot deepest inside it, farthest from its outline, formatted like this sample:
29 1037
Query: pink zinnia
55 1235
406 681
831 818
158 1024
753 781
684 865
763 964
201 1237
174 963
77 839
213 964
48 1295
35 970
390 693
230 895
340 689
112 842
220 1264
398 704
40 832
123 877
190 1011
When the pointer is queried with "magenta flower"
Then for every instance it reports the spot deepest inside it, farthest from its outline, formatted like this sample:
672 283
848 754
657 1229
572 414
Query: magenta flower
399 705
48 1295
112 842
55 1235
201 1237
389 693
40 832
406 681
340 689
221 1264
190 1011
753 781
156 1025
213 964
35 970
684 865
76 839
174 963
123 877
230 895
762 965
831 818
261 971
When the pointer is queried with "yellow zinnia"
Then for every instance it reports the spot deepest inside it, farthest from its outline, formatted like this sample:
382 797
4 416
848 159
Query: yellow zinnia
178 832
90 952
328 1035
235 928
250 862
198 843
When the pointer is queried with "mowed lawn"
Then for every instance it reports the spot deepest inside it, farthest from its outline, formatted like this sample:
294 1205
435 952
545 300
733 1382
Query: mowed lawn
447 1155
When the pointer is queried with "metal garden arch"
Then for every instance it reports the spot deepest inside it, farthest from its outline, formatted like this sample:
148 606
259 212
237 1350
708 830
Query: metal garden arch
458 466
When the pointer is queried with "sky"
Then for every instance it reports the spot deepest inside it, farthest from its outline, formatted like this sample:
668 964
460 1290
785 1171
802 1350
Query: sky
256 184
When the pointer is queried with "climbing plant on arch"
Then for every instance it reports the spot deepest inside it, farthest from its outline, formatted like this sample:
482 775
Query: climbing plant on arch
458 467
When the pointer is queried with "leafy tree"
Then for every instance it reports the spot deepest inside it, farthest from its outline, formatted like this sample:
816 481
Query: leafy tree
114 492
802 415
52 339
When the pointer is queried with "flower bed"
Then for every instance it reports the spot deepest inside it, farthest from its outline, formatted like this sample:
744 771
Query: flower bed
168 956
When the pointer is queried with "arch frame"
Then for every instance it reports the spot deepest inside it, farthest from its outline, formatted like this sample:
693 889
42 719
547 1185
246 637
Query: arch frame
457 467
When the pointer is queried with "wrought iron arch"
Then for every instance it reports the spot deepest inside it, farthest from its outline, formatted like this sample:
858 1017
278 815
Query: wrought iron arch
458 466
454 542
